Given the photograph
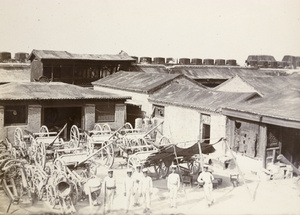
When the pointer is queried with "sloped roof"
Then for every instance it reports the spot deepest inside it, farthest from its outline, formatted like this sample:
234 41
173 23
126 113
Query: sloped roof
14 72
194 97
51 91
149 68
135 81
221 72
265 85
49 54
283 104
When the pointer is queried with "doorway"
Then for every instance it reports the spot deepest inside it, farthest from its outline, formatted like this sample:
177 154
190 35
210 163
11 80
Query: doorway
133 112
56 117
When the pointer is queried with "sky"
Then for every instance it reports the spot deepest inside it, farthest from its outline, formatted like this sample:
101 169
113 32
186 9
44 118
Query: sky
217 29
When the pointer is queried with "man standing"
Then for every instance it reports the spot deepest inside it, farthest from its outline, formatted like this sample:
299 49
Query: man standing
137 177
128 189
109 187
207 178
173 186
147 186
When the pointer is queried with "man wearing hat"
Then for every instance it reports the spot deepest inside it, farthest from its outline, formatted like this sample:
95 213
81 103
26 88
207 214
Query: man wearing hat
147 186
109 187
207 178
173 184
137 177
128 188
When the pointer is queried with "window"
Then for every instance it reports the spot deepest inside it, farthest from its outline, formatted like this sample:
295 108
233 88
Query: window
105 112
15 114
159 111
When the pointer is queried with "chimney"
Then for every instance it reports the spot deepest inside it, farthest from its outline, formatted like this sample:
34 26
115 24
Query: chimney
146 60
184 61
196 61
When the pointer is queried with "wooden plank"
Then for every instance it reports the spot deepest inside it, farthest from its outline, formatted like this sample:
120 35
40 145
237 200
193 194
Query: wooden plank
262 141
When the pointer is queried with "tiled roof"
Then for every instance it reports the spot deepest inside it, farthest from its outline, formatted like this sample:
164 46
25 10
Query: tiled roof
51 91
264 85
283 104
49 54
221 72
199 98
149 68
135 81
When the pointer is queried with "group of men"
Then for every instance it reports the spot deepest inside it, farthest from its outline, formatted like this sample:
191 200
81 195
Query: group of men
138 187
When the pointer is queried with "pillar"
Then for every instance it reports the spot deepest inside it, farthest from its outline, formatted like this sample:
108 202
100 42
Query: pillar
34 118
2 133
88 116
262 141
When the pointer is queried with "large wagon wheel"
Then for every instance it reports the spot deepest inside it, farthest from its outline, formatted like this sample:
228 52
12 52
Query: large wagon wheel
19 141
97 127
128 128
40 155
106 155
38 182
133 161
161 169
106 128
59 165
74 134
29 170
163 141
44 131
51 195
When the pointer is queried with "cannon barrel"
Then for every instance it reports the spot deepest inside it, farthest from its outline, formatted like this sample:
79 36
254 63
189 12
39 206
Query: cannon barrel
63 189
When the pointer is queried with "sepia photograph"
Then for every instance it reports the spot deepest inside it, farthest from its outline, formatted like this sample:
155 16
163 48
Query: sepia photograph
155 107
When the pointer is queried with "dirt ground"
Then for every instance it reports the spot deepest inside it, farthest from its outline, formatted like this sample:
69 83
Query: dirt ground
254 197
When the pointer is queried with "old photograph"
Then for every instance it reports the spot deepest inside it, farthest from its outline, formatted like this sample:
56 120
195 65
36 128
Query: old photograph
166 107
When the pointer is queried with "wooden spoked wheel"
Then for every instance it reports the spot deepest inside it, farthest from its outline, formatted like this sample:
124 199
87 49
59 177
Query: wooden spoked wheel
163 141
44 131
51 195
18 136
106 155
40 155
59 165
74 134
19 141
128 128
133 161
161 169
106 128
97 127
38 182
29 169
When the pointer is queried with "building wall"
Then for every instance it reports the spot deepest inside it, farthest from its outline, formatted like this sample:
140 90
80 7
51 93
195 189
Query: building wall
33 123
120 117
139 98
217 131
181 124
36 70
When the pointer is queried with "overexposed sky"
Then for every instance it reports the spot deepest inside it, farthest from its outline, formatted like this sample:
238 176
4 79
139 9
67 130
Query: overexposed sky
227 29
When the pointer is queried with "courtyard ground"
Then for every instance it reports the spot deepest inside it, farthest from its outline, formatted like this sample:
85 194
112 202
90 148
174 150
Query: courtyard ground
257 197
